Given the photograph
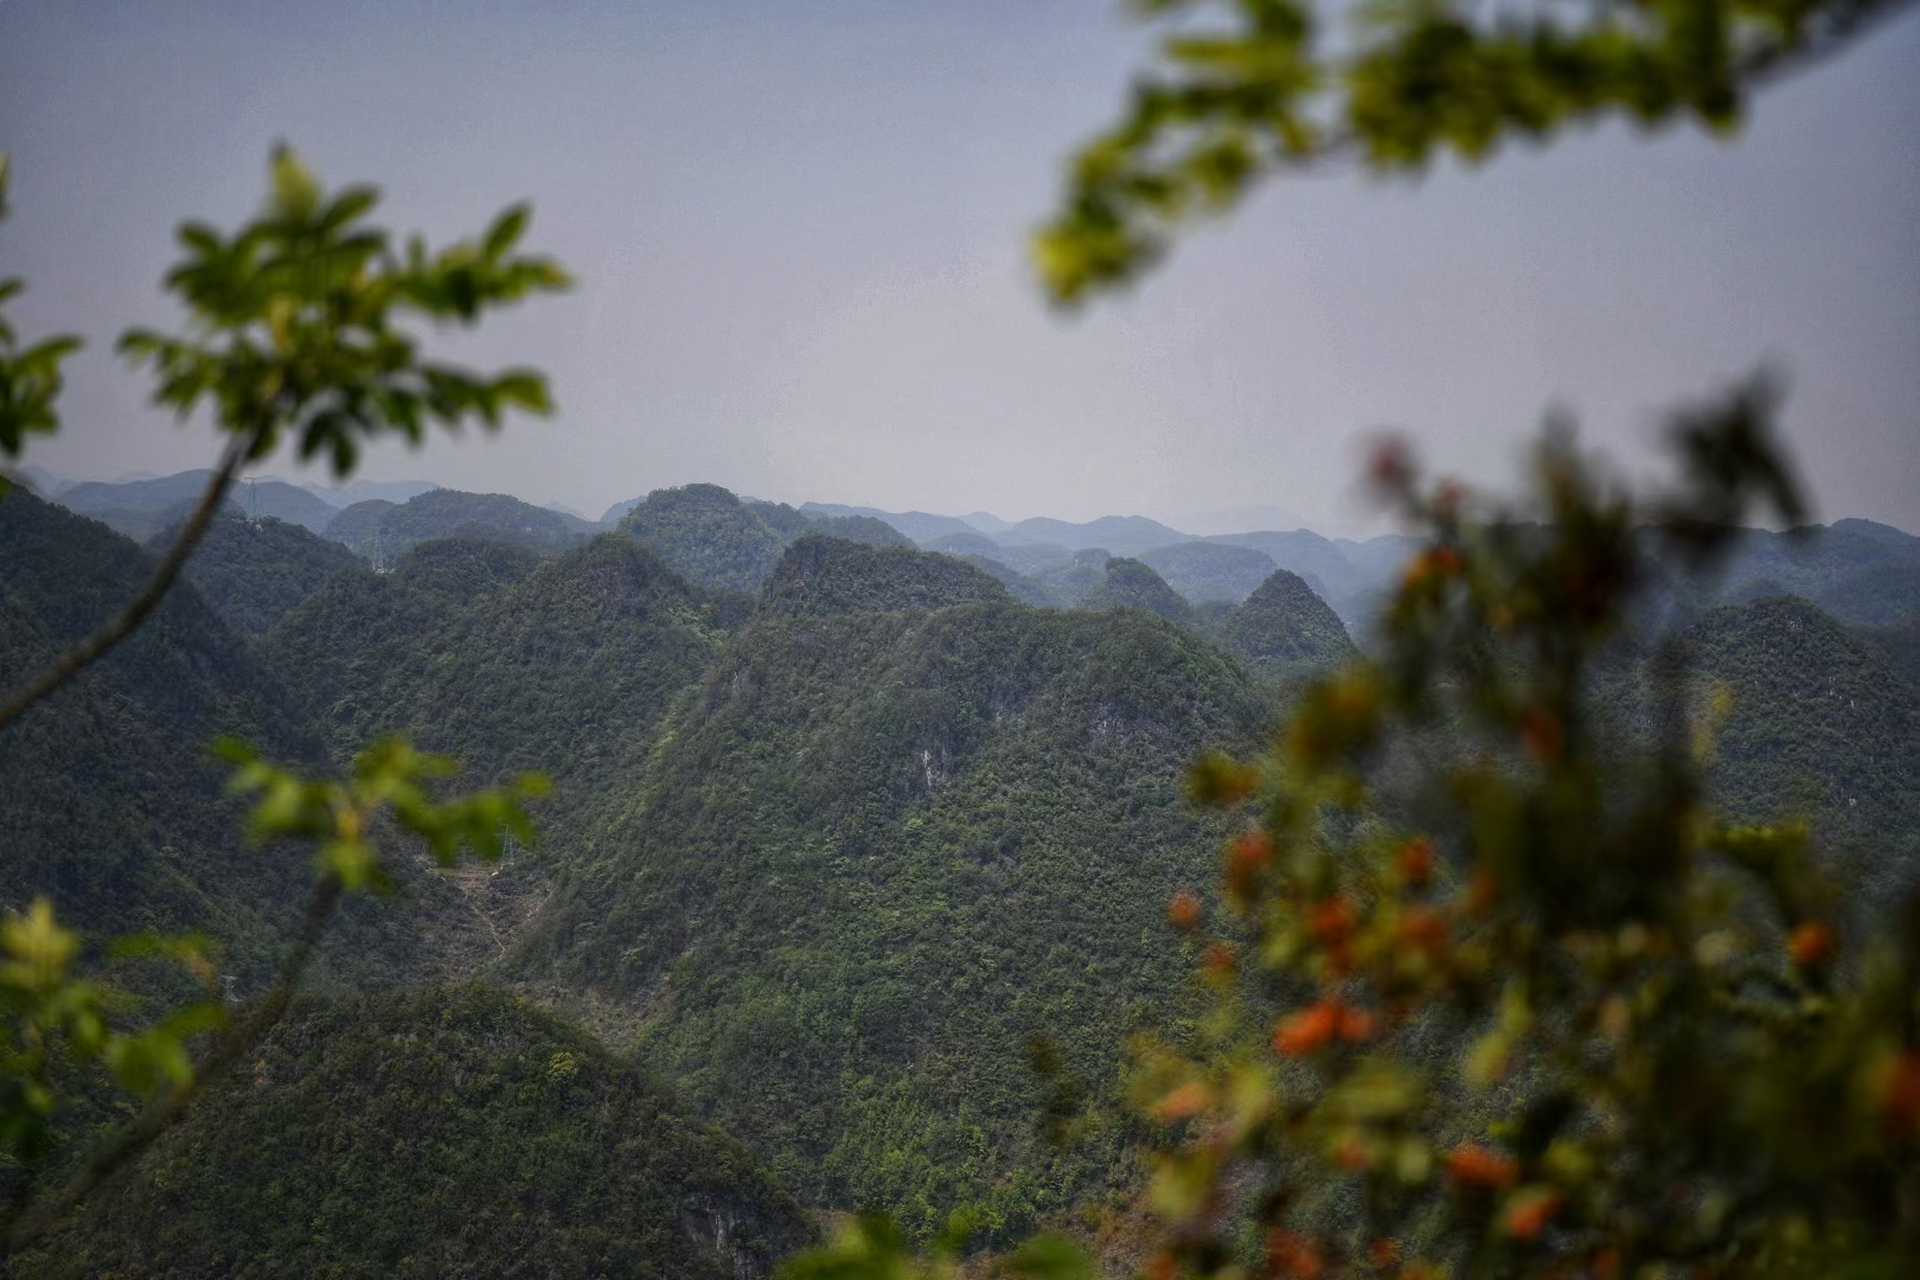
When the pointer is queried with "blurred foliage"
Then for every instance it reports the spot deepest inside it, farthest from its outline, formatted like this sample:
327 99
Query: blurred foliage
1578 1026
30 377
113 806
295 329
296 324
51 1012
1249 88
390 779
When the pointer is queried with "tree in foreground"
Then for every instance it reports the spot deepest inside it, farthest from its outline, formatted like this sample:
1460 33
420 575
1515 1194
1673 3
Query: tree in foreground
301 326
1493 992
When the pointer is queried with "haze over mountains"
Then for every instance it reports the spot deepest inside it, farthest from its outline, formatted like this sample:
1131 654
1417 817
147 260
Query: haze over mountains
850 806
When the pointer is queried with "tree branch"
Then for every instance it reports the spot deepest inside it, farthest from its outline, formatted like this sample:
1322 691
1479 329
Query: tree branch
97 645
170 1107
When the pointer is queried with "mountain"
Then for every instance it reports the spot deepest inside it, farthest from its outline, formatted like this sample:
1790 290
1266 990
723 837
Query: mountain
1856 570
820 575
390 529
345 495
986 521
1819 724
1073 580
874 853
1233 519
1131 584
254 572
717 540
1125 534
41 481
1284 630
1022 588
1210 570
599 639
969 543
141 508
707 535
438 1132
115 806
920 526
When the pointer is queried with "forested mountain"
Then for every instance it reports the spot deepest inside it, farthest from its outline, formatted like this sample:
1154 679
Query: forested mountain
114 804
1284 630
436 1132
714 539
1202 571
826 857
1819 726
253 572
388 529
1130 584
1856 570
876 852
141 508
564 664
821 575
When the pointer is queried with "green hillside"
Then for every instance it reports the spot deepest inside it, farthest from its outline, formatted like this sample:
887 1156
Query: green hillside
565 664
1283 630
1131 584
255 572
1820 725
389 529
114 805
877 853
1202 571
436 1132
713 539
141 508
819 575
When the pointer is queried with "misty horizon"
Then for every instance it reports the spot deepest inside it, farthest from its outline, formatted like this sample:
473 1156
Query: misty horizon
799 239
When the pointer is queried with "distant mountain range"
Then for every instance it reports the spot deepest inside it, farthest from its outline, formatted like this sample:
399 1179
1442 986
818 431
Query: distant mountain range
1041 560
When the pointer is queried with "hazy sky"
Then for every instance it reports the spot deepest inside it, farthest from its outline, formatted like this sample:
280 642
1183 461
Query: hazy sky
799 230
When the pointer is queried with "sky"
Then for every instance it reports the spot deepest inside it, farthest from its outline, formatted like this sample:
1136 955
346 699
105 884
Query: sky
799 230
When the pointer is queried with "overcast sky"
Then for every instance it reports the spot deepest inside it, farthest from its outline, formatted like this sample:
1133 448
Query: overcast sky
799 231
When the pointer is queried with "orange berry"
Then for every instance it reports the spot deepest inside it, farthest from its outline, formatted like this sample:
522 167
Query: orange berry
1307 1030
1527 1216
1900 1099
1356 1025
1472 1165
1291 1254
1162 1266
1540 735
1426 930
1183 910
1417 860
1484 892
1810 945
1351 1155
1332 920
1189 1099
1383 1253
1253 849
1219 958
